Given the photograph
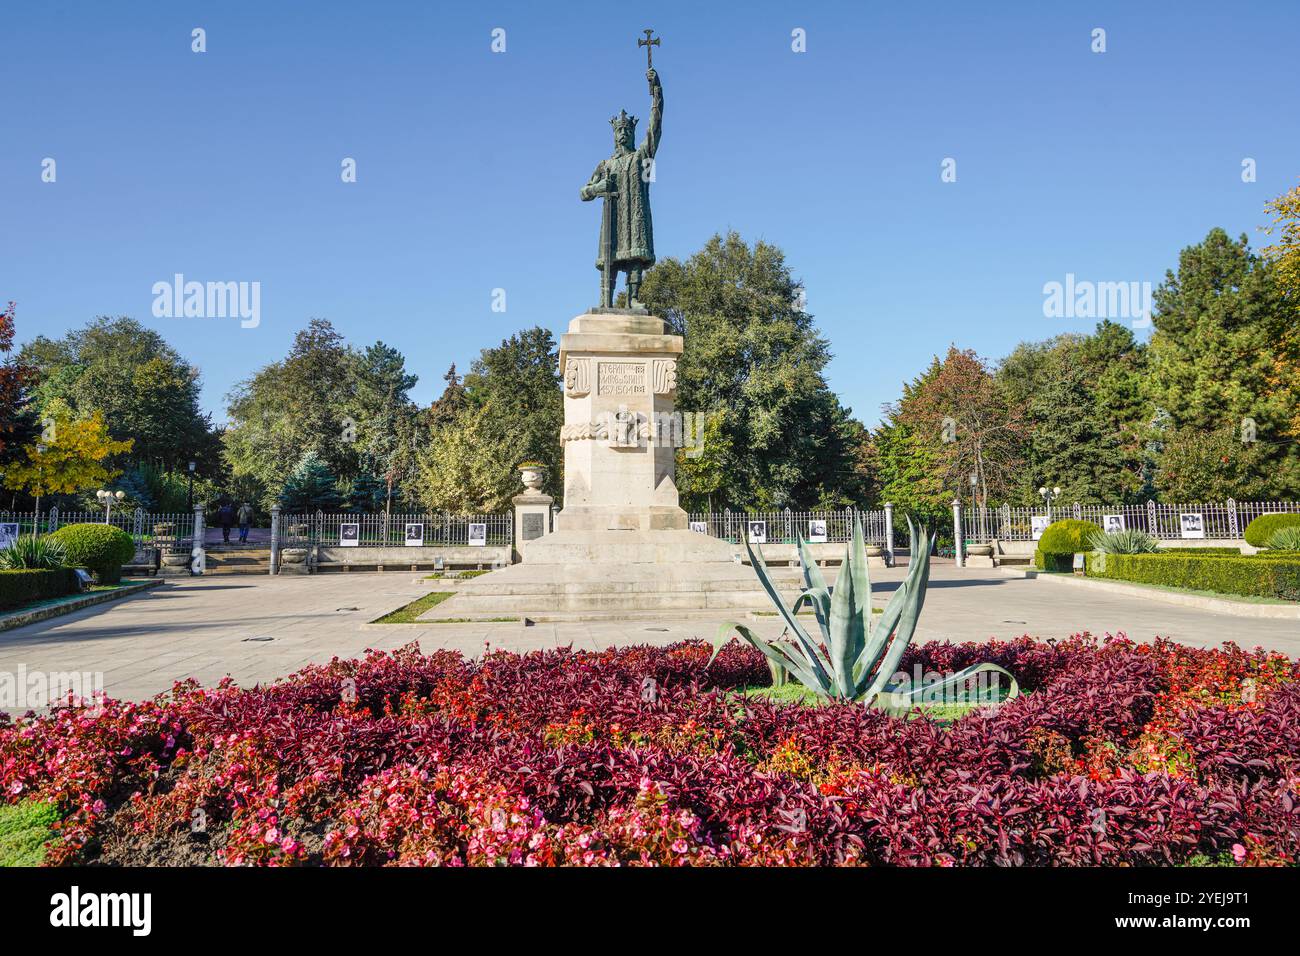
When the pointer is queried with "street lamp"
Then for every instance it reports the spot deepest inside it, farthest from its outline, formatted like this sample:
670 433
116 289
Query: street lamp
40 478
190 494
1048 495
108 498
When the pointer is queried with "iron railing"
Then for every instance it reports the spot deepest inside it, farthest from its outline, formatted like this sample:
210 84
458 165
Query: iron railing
780 527
1215 520
168 533
384 530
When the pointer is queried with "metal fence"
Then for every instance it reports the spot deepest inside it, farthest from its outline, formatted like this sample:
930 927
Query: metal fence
780 527
391 530
1214 520
168 533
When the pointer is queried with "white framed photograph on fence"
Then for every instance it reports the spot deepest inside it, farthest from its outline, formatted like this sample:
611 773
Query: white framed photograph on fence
817 531
700 527
1111 523
1037 525
758 532
477 535
8 533
349 534
414 535
1192 524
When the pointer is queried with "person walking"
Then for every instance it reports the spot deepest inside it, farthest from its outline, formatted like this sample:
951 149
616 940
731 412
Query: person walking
245 519
226 518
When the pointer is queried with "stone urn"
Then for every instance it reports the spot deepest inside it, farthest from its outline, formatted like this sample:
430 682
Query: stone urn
174 563
163 529
979 550
294 561
875 551
532 476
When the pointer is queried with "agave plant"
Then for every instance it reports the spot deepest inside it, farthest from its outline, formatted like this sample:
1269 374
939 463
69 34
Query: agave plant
857 657
33 553
1285 539
1127 541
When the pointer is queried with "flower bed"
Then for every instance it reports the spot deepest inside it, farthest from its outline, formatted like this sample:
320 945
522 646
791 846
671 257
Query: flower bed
1120 754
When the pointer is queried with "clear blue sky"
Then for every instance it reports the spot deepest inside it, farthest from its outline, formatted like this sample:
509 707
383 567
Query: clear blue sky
225 165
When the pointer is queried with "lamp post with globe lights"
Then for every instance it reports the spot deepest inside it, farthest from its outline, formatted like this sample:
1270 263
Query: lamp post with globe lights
108 497
1049 495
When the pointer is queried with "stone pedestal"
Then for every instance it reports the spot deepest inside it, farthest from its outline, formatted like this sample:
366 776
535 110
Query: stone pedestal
620 424
532 518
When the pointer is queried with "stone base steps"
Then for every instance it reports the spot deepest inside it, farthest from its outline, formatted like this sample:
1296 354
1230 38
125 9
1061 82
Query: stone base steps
586 592
237 560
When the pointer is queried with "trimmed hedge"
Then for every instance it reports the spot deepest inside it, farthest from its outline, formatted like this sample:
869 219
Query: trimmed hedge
24 586
100 548
1231 552
1275 578
1061 540
1261 529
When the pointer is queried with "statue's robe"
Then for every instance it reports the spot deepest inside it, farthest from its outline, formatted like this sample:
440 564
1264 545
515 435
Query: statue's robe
634 245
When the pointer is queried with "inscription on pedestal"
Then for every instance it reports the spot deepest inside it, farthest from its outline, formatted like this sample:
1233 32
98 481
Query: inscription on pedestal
534 525
621 378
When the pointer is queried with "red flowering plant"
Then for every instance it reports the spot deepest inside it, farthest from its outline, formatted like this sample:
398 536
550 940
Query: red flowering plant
1115 754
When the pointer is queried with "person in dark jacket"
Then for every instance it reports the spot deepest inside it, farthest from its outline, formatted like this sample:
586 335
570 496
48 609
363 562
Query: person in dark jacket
226 518
245 519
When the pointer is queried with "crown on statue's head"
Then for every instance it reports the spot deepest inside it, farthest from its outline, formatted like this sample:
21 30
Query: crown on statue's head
623 122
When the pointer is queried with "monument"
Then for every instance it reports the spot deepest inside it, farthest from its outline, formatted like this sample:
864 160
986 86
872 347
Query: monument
621 542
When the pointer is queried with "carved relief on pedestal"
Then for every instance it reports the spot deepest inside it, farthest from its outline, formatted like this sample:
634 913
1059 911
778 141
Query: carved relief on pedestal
577 377
663 376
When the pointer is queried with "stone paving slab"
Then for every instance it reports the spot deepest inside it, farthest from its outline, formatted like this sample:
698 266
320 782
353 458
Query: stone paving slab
198 627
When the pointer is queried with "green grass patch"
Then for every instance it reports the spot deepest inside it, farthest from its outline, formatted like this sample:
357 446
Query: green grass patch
25 828
408 613
793 692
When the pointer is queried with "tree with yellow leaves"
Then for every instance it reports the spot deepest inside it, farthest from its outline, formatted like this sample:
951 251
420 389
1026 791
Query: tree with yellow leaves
1284 254
68 457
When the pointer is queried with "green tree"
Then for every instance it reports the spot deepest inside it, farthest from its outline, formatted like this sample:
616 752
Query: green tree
1087 417
310 487
1218 324
350 407
1198 466
142 387
753 351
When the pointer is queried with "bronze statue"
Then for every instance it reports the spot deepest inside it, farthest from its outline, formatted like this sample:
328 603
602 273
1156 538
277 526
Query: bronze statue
623 180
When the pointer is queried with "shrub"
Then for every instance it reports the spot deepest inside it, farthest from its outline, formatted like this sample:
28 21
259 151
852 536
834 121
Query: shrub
100 548
1276 578
1285 539
18 587
1207 551
1262 528
33 553
1128 541
1061 540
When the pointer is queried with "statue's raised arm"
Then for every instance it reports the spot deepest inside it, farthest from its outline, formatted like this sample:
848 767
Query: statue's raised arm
651 144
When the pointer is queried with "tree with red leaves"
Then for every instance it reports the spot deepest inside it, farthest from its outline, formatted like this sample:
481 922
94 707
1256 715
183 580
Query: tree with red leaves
17 417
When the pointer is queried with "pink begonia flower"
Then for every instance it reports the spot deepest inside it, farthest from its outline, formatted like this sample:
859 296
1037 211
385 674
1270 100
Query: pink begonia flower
680 846
272 836
1238 852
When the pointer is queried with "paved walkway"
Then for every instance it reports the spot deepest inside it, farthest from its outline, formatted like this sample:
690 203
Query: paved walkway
208 627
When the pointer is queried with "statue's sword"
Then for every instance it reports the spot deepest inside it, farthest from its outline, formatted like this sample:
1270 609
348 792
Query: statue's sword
608 276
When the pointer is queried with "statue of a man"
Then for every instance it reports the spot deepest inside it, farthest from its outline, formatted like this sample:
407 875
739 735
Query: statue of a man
623 180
